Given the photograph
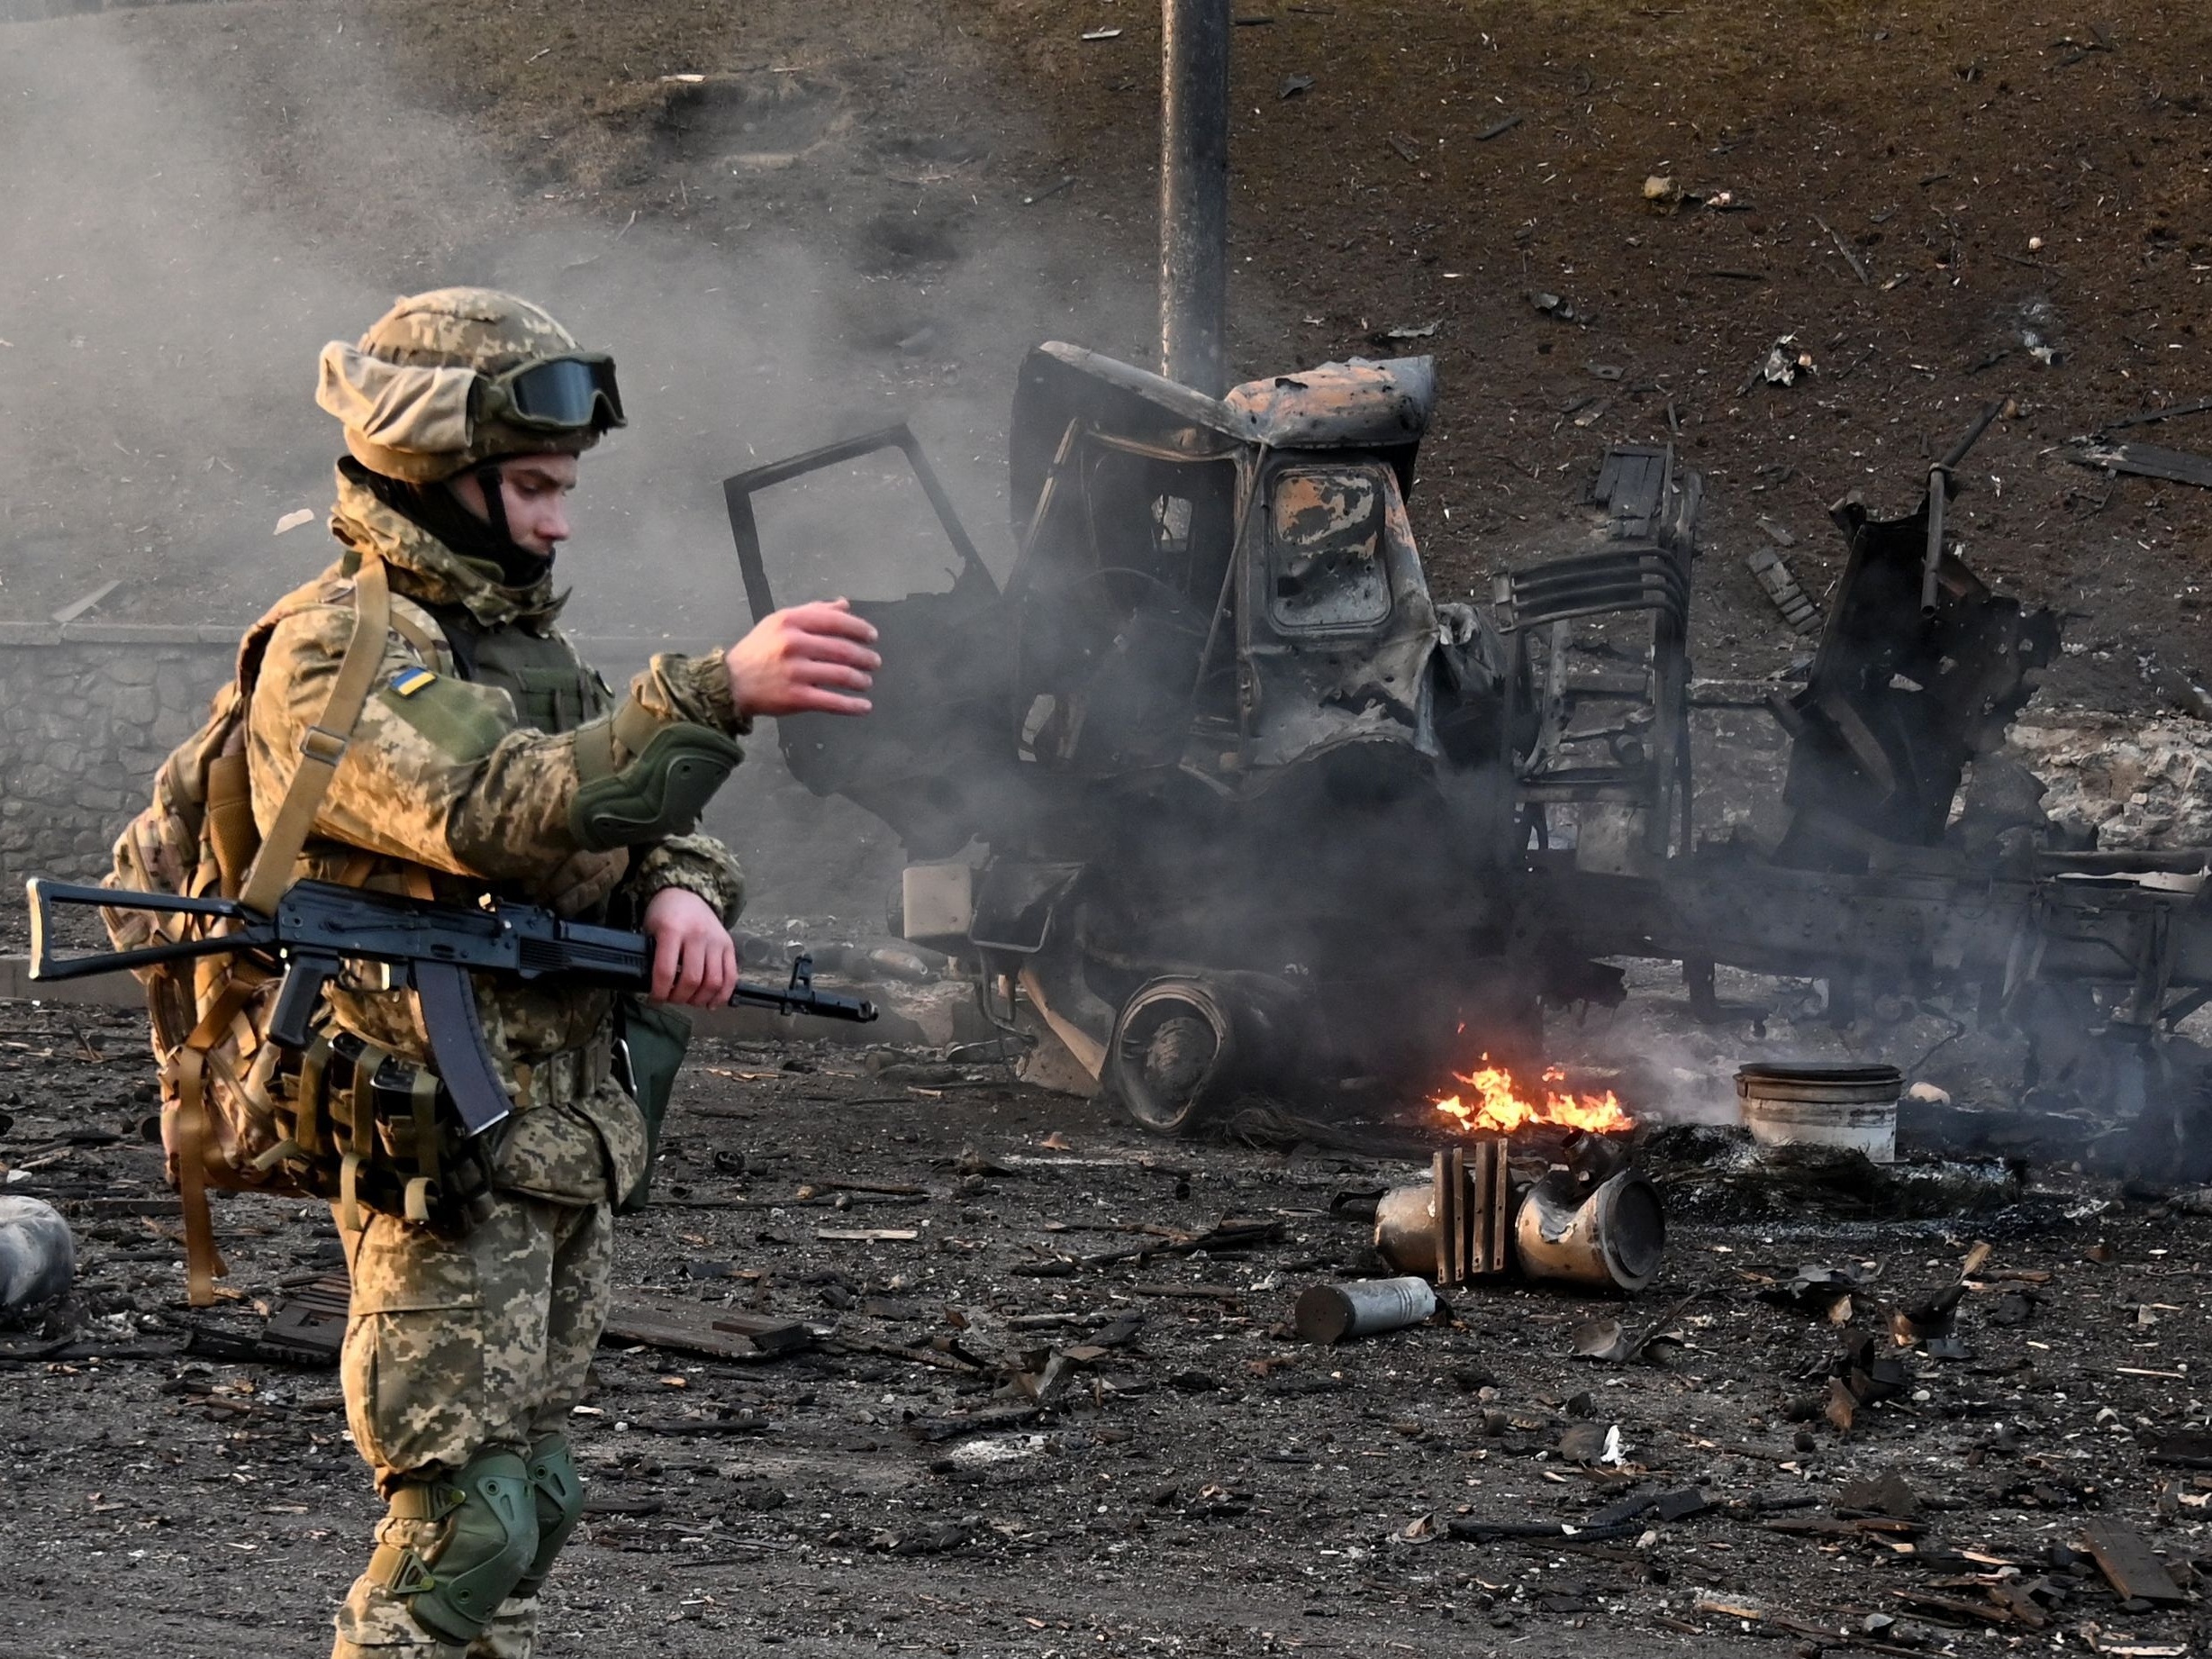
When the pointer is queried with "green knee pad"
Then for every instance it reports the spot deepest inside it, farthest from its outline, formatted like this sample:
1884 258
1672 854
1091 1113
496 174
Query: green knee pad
489 1546
558 1490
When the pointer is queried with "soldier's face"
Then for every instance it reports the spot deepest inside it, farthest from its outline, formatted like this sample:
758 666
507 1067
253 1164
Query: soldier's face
535 492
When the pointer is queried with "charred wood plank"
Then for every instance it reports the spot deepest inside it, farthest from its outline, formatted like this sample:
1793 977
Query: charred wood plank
2129 1565
2145 460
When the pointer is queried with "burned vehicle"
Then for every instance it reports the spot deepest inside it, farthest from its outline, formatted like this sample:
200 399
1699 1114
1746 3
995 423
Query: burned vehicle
1216 791
1225 752
1212 726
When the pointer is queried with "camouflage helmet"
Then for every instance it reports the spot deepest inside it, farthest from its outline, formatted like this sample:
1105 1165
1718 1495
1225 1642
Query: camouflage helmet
425 396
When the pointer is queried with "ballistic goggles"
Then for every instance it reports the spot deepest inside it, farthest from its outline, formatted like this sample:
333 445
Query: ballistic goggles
555 395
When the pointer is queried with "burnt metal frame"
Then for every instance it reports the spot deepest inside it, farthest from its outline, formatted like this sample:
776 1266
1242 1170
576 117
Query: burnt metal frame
1648 572
1065 458
739 488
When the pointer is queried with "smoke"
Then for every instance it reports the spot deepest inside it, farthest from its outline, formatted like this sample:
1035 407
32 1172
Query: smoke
202 195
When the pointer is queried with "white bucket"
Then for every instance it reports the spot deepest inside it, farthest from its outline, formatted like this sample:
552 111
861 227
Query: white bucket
1817 1104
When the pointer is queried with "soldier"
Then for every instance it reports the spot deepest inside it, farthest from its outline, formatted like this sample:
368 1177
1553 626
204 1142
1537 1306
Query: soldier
489 758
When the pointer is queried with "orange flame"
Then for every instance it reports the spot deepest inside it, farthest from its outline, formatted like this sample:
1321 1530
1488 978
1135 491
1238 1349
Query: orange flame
1498 1108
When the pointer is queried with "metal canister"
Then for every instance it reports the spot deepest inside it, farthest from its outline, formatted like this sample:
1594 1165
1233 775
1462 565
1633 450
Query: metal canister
1361 1308
1405 1227
1612 1235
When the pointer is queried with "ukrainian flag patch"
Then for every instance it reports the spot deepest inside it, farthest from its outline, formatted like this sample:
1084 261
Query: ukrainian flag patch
409 681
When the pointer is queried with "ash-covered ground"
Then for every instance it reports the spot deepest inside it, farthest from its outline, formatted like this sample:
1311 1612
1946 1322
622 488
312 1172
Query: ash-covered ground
1199 1480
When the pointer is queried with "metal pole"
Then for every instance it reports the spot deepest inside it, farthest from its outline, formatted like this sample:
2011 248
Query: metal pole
1195 193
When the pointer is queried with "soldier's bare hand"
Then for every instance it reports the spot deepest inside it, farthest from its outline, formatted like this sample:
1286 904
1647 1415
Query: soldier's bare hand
812 659
694 960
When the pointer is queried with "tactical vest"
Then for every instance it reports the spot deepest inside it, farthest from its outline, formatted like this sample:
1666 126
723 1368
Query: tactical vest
415 1163
553 690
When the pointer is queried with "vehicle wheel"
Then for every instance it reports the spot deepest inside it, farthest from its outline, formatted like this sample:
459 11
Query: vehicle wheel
1173 1050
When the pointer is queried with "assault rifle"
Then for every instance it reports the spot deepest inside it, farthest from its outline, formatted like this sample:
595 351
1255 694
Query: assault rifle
319 926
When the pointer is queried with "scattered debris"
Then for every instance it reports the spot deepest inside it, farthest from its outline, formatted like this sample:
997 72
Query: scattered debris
1498 129
2196 405
1886 1493
1553 305
1823 1292
2143 460
2178 1448
1851 257
295 518
1796 606
71 611
1785 360
1102 34
1856 1377
1292 84
305 1329
1612 1342
1486 1531
719 1333
2128 1564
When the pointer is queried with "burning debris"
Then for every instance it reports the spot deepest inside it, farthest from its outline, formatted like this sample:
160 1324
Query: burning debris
1500 1107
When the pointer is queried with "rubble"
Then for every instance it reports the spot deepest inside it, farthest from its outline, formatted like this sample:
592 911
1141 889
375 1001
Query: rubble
2136 784
2143 460
725 1334
992 1405
1781 586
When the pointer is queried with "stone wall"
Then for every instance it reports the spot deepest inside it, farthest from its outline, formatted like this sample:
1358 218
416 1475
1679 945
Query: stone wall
87 713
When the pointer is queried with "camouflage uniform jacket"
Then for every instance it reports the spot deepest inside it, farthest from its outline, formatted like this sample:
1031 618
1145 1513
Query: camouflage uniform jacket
445 784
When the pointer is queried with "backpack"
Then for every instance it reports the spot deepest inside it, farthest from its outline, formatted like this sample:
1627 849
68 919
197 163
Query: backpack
225 1118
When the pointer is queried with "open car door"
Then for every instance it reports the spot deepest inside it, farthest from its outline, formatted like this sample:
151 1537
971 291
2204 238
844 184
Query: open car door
936 758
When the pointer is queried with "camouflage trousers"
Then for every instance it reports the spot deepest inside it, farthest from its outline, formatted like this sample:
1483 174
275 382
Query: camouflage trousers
457 1346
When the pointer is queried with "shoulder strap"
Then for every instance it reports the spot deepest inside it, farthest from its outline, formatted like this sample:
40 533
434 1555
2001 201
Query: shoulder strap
324 743
321 749
459 629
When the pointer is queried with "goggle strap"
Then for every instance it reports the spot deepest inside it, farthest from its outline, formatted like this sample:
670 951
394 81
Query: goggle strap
492 483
